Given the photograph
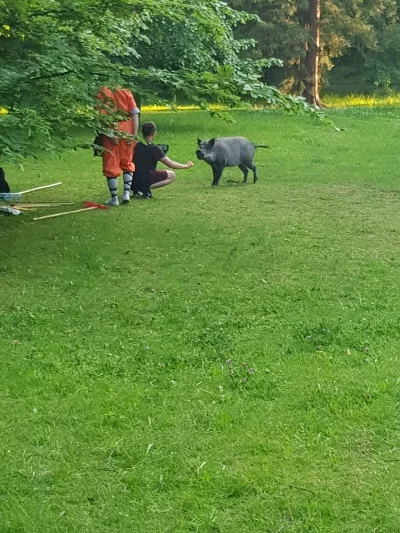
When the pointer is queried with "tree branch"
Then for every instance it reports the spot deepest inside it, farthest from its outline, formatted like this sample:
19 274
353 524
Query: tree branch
55 75
57 12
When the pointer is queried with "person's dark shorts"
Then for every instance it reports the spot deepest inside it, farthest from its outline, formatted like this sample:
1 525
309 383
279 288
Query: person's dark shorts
157 175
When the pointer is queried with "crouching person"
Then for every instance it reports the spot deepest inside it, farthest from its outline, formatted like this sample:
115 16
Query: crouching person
147 154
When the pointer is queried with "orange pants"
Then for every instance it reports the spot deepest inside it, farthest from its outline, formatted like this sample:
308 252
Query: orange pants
117 158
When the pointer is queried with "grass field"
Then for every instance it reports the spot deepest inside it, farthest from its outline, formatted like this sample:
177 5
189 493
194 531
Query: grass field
118 410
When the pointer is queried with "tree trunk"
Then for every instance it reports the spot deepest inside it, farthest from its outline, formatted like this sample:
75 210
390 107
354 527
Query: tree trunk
139 100
311 61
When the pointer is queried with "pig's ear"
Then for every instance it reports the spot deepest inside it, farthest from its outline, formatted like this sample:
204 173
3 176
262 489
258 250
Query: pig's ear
198 141
211 143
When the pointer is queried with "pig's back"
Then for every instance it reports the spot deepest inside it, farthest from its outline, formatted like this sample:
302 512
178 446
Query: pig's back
235 150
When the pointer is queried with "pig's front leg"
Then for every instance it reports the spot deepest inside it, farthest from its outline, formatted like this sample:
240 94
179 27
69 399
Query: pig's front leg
217 173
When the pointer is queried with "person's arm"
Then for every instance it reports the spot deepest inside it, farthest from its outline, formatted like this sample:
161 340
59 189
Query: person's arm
173 164
135 121
134 112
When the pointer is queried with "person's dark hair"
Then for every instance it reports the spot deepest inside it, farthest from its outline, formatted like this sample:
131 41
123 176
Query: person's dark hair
148 129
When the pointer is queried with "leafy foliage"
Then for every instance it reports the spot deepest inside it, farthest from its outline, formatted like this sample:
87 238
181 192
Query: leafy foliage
54 56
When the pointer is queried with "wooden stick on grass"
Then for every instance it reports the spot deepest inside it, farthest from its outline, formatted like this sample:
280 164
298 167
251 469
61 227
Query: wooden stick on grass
47 204
88 206
66 213
41 188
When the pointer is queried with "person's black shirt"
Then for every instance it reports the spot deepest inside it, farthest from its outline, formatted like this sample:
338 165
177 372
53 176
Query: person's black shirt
146 156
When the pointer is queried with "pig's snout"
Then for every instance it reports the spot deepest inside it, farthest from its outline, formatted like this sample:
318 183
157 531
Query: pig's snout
199 154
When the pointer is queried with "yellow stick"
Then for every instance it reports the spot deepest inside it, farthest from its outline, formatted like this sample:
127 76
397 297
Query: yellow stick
32 205
65 213
41 188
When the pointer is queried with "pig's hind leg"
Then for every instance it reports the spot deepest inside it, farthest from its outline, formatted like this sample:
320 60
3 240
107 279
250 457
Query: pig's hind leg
245 171
253 168
248 163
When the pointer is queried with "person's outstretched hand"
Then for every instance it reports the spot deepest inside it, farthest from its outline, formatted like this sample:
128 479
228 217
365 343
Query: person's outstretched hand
189 164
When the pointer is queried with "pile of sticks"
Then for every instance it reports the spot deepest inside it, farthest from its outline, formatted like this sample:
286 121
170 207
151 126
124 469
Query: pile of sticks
16 207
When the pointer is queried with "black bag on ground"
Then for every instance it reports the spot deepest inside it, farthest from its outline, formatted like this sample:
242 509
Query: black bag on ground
141 184
4 187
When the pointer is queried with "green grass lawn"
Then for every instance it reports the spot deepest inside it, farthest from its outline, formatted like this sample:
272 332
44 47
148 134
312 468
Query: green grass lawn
118 411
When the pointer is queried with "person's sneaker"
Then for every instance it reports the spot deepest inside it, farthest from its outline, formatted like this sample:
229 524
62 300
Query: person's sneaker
140 196
113 201
126 197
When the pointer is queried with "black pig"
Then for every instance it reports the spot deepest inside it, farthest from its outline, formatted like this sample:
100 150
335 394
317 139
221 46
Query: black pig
228 152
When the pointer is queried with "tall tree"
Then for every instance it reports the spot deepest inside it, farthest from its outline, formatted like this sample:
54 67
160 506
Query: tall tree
308 35
310 63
